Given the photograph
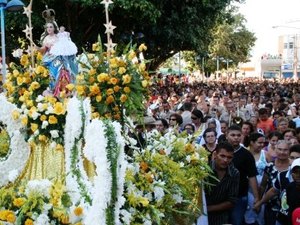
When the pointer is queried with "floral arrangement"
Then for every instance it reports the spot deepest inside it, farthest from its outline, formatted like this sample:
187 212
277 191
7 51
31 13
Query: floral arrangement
39 202
113 83
164 180
42 115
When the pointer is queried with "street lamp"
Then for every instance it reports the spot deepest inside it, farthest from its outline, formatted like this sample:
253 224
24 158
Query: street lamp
13 5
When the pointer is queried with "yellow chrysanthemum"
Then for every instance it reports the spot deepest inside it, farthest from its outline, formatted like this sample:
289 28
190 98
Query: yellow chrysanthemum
15 114
65 219
144 83
20 80
95 90
123 98
24 60
43 118
131 55
92 72
110 99
51 99
109 91
122 70
116 88
34 86
96 47
113 80
24 120
59 108
78 211
52 120
142 67
39 56
113 63
11 217
28 222
34 127
95 115
126 79
16 73
98 98
127 90
39 70
80 89
142 47
18 202
102 77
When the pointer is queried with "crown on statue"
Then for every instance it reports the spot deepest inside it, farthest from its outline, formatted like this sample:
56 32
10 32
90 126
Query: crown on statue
48 15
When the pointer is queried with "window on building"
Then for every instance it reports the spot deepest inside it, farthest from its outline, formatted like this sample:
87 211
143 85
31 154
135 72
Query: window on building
285 46
291 45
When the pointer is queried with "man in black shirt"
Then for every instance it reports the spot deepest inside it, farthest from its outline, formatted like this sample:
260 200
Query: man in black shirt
223 195
245 163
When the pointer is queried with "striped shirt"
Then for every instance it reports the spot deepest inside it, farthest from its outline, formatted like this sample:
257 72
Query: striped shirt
223 190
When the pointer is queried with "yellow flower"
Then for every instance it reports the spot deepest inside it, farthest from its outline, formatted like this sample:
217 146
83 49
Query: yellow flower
59 147
121 70
78 211
109 91
70 87
113 63
39 56
18 202
15 114
80 89
39 70
92 72
64 219
123 98
16 73
42 138
95 115
102 77
95 90
126 79
19 80
24 120
80 77
142 47
21 99
24 60
131 55
52 120
113 80
144 83
116 88
43 117
29 103
142 67
28 222
96 47
34 127
10 217
32 111
144 201
127 90
98 98
34 85
51 99
110 99
59 108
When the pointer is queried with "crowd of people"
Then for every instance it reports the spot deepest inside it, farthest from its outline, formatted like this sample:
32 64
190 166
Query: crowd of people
251 131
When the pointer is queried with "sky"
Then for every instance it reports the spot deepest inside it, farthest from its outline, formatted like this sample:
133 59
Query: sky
263 15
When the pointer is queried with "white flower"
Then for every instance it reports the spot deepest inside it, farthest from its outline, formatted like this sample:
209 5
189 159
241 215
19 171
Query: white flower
49 110
40 107
126 216
178 198
40 98
188 158
54 133
35 115
17 53
45 124
39 186
42 220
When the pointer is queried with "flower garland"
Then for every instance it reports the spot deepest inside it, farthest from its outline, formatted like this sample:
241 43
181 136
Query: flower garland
77 180
13 164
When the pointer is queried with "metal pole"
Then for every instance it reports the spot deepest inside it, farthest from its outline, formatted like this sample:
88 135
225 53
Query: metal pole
3 44
179 66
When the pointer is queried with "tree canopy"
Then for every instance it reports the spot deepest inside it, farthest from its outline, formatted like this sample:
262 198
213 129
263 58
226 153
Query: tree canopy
166 26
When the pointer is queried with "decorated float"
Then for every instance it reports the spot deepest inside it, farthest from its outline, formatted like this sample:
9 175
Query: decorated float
63 157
